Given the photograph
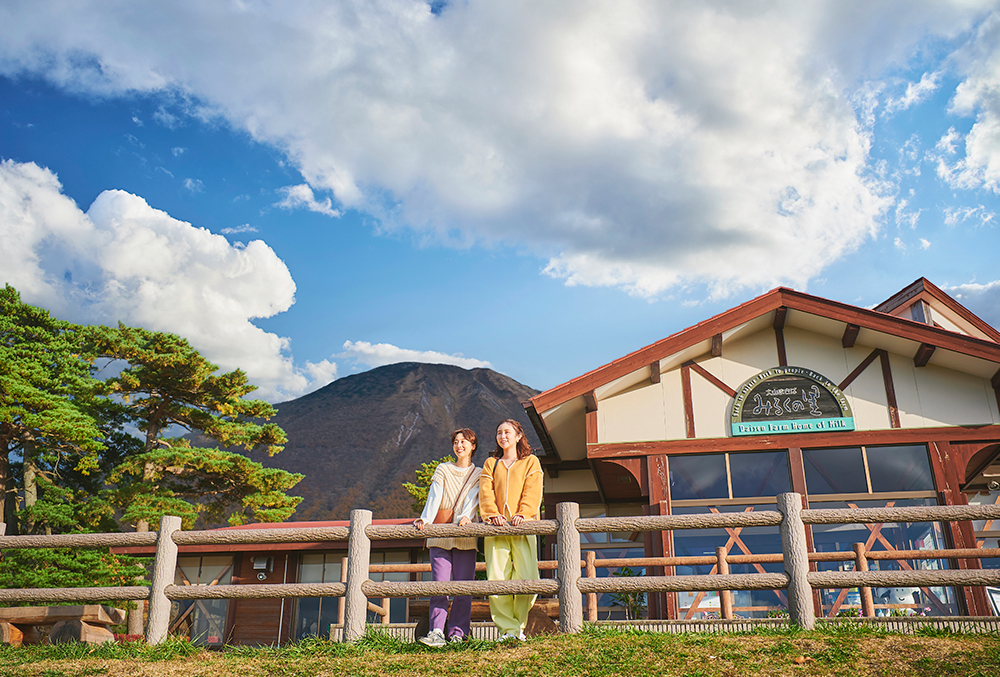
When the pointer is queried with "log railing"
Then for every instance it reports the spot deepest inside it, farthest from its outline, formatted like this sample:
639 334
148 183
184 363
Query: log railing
569 585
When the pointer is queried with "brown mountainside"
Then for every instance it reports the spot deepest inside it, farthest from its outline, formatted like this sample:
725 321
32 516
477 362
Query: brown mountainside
359 438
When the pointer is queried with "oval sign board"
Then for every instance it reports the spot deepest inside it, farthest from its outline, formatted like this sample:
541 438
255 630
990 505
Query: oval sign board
790 400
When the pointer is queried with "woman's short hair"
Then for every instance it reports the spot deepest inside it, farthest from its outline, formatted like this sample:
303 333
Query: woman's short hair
467 434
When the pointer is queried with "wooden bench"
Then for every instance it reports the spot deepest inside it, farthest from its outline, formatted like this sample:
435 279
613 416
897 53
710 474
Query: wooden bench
88 624
539 618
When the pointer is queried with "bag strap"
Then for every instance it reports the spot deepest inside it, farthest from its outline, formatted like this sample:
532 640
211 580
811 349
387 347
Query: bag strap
462 491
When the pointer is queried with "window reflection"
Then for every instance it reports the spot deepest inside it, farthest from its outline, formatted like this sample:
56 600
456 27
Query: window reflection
887 537
203 620
759 474
835 471
900 468
698 476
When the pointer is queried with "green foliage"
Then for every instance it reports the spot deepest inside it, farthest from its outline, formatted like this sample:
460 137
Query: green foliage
177 479
632 602
68 568
419 489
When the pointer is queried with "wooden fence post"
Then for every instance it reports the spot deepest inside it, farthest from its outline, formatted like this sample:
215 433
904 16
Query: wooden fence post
861 564
591 572
343 600
796 556
725 596
358 560
164 570
570 599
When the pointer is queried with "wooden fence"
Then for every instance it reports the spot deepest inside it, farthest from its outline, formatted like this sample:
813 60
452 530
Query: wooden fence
569 585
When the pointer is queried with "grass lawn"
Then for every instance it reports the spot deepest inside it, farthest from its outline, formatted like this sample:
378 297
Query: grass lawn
839 651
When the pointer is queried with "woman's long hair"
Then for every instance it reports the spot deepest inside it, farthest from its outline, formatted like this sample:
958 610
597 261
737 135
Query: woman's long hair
523 446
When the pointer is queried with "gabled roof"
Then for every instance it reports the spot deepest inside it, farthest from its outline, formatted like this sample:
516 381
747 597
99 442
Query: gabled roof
982 353
941 307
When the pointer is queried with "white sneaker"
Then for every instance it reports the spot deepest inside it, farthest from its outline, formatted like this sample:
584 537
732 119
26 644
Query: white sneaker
522 637
434 638
456 639
507 635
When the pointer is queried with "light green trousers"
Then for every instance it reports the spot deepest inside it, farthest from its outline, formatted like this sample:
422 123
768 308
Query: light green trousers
511 558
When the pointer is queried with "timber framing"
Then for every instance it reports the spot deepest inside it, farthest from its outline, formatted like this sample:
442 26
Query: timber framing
985 434
775 301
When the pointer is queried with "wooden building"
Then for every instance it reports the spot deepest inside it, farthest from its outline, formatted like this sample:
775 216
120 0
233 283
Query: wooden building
265 622
850 407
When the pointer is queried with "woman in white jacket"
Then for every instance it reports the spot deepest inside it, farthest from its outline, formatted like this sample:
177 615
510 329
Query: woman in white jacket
454 488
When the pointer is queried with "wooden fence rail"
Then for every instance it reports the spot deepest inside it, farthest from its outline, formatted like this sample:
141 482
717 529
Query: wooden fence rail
570 586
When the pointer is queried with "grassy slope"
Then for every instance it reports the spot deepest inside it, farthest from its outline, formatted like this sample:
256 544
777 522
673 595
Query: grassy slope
631 654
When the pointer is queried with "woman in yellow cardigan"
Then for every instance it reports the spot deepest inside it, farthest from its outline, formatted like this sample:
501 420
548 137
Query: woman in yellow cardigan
510 491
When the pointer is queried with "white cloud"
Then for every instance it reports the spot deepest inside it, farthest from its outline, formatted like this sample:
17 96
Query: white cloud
899 244
379 354
643 144
178 151
978 216
297 197
194 185
916 92
925 244
979 95
245 228
123 260
982 299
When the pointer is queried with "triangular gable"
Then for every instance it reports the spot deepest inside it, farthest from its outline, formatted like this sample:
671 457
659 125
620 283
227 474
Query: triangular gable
924 302
773 307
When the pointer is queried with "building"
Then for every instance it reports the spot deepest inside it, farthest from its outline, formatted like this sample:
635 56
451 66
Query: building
851 407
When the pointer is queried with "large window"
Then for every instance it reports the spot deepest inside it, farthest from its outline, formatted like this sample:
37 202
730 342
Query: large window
705 478
202 620
885 537
868 470
315 615
987 531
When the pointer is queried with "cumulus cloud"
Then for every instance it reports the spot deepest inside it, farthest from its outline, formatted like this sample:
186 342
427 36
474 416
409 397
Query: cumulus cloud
301 196
641 144
982 299
379 354
123 260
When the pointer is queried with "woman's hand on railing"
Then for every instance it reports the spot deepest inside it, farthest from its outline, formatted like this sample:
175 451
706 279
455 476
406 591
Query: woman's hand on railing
419 524
516 520
498 521
463 521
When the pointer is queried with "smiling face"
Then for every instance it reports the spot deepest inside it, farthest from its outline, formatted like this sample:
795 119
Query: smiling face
507 436
462 447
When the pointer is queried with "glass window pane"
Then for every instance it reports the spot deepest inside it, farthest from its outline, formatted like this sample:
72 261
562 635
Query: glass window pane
932 601
698 476
311 569
835 471
900 468
760 474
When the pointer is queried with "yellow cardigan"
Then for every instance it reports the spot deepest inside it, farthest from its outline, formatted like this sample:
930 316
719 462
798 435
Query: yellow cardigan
520 485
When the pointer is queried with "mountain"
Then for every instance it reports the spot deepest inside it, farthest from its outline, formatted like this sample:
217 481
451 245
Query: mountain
359 438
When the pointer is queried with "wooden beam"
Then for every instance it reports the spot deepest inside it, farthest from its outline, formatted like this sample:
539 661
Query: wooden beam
995 381
590 401
654 372
541 430
890 389
717 345
573 497
779 317
688 403
858 369
917 312
959 434
771 301
704 373
850 335
923 355
779 335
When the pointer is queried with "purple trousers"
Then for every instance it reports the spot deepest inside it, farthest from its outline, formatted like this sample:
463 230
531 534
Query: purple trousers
452 565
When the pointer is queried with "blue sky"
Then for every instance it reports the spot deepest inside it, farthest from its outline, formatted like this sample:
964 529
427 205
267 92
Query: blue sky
307 190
